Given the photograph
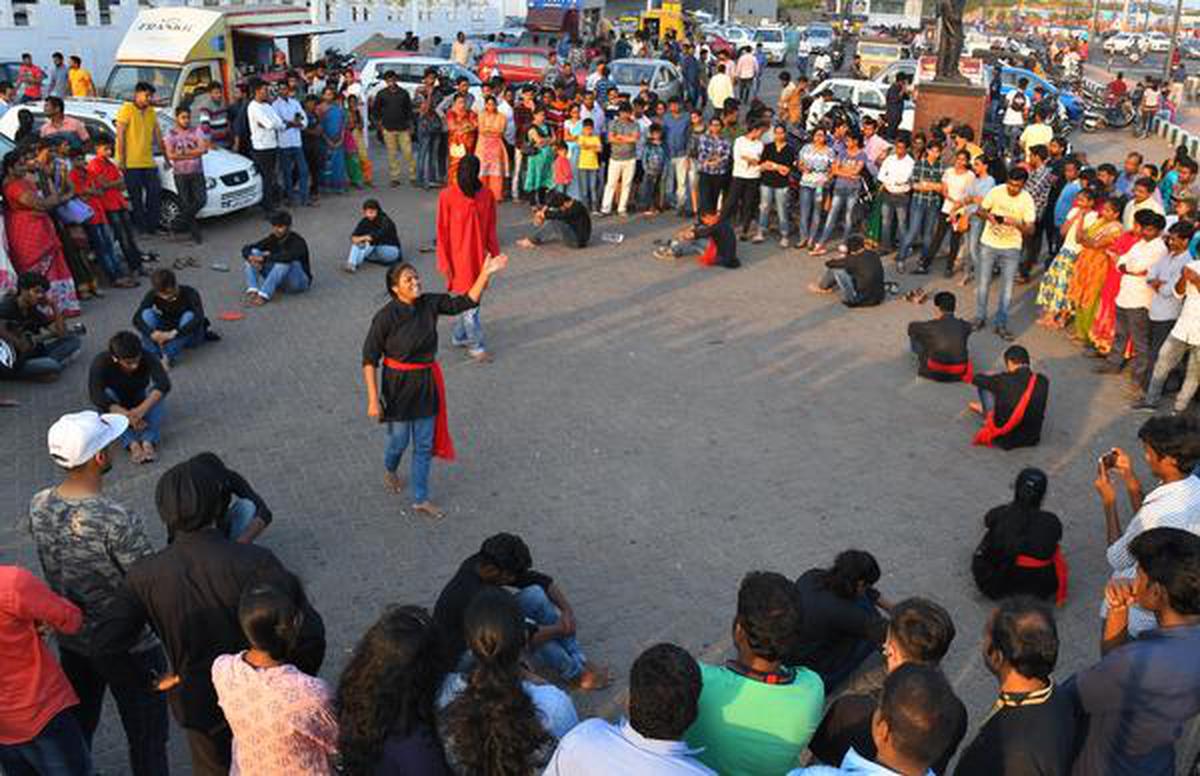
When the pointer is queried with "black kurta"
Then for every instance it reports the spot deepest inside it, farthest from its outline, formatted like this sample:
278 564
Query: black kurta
408 333
945 341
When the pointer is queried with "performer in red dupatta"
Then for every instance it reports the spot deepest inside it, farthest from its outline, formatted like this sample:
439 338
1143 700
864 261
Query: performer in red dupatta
466 236
32 241
462 127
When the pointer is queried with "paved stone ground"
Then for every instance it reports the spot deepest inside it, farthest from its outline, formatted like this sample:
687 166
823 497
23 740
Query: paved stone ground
654 431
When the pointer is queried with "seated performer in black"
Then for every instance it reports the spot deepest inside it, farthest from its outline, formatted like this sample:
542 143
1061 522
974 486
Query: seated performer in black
1019 553
941 344
856 273
1013 403
721 249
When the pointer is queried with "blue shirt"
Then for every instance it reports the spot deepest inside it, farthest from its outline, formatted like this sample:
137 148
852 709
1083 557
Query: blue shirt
1062 207
677 131
690 68
1124 184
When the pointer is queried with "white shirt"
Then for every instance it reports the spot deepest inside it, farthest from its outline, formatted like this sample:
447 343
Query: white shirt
1187 328
958 187
744 146
264 124
1165 306
289 110
895 174
853 764
1012 116
1175 505
1135 291
598 748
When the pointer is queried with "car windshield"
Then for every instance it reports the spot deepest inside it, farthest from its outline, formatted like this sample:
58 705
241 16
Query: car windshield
769 36
454 72
630 74
123 79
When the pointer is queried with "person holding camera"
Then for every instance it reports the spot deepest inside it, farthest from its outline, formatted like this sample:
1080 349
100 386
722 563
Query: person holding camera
1171 448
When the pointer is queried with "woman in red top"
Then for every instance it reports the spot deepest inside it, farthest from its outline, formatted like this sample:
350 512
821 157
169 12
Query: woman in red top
100 237
466 236
463 127
32 242
38 730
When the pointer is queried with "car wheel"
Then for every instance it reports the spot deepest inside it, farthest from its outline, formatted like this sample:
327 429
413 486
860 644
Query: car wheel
171 212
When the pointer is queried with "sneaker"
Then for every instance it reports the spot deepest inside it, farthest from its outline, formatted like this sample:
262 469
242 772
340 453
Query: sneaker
664 254
211 336
783 243
758 237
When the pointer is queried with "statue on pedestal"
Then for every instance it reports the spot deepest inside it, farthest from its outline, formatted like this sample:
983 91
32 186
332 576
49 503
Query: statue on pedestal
950 39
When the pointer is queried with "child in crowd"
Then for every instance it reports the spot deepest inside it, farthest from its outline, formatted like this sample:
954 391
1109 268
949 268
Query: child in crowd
88 187
110 183
654 163
590 146
562 167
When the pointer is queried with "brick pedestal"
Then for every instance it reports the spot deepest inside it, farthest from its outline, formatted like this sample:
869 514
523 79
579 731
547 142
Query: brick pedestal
965 103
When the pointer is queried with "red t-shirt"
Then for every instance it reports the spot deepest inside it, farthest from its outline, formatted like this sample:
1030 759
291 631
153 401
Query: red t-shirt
104 170
82 179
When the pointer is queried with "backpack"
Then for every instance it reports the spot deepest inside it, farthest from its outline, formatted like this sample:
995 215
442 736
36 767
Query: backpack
1017 102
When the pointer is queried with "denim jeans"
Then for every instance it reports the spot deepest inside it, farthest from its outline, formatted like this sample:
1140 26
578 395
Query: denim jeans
777 197
843 202
1012 137
841 280
589 189
676 183
193 195
1008 258
143 711
468 331
174 347
100 240
238 517
894 209
562 655
648 191
426 163
294 170
1172 352
122 227
152 433
1133 325
58 749
810 213
922 217
421 432
288 277
145 197
376 254
1145 120
974 246
50 357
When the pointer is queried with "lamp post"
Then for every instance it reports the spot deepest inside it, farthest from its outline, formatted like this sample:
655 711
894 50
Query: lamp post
1174 42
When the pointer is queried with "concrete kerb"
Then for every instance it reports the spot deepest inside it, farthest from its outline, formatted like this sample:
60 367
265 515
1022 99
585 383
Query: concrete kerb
1177 135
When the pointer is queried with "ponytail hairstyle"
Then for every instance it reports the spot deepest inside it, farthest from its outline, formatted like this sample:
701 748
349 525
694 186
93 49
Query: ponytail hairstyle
492 728
270 618
1030 489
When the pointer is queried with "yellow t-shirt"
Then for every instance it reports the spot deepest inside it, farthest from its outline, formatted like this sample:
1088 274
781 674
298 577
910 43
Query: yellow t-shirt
1035 135
1019 208
589 152
81 82
139 135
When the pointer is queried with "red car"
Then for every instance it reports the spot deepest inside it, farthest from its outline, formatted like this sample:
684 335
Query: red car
517 65
718 45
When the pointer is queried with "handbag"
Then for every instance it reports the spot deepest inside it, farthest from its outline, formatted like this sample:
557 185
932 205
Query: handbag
74 212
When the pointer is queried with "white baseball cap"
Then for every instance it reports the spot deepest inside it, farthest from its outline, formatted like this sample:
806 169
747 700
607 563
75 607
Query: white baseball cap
76 438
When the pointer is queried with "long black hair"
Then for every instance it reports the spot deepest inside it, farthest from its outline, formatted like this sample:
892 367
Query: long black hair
493 723
850 568
390 685
270 619
1030 489
467 176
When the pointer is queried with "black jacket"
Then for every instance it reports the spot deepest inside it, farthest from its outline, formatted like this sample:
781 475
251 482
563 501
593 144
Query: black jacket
291 248
942 339
1008 387
188 301
394 109
867 271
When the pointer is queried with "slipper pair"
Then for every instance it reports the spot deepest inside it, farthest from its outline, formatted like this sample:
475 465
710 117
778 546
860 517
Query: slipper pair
185 261
917 296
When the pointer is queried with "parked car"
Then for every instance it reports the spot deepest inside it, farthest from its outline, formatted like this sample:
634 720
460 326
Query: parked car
233 181
663 77
817 37
876 54
410 71
1189 49
870 97
740 37
718 45
1158 42
1010 76
888 75
774 44
515 65
1122 43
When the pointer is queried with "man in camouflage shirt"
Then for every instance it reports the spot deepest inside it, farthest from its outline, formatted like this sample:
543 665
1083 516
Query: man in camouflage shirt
86 542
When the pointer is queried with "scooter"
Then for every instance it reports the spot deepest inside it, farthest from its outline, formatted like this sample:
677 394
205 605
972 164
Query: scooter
1099 116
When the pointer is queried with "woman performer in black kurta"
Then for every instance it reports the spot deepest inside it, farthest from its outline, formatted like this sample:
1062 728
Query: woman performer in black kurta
412 401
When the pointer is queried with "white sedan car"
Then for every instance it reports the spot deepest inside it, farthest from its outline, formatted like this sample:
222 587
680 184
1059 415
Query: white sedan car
870 97
233 181
410 72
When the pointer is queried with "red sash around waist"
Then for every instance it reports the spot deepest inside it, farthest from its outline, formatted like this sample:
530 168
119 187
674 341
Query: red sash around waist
990 432
964 371
1060 570
443 445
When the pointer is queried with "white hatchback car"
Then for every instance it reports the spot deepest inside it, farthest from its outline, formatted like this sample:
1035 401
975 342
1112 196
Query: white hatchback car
774 44
410 71
233 181
870 97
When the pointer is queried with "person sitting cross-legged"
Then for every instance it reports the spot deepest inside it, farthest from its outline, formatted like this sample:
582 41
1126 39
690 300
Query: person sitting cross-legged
664 695
856 273
1012 402
31 319
941 344
562 219
123 380
243 514
1020 553
374 239
721 249
171 318
279 261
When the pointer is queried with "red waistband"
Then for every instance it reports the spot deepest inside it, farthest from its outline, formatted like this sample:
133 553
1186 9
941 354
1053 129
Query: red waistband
406 366
1030 562
963 370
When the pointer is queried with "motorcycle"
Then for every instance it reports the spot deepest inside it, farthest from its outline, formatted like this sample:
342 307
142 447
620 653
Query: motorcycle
1099 115
336 60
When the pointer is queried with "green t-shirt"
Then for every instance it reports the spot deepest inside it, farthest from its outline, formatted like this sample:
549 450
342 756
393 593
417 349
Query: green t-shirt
750 728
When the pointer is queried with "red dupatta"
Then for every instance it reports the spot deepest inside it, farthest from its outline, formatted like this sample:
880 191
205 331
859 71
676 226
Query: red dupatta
990 432
443 445
1060 570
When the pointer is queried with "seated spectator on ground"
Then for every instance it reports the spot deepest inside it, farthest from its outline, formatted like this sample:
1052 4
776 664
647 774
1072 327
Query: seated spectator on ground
124 380
561 219
1013 403
279 261
664 692
1019 553
504 560
855 272
941 344
912 727
189 592
385 703
493 722
721 249
171 318
374 239
37 329
280 717
1031 726
757 712
1171 448
243 514
920 632
1136 700
842 625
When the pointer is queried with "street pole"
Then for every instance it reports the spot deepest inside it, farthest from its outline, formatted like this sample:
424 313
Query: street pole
1174 41
1095 22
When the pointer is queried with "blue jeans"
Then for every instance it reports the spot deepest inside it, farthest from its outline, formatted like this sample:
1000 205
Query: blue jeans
468 331
1008 259
843 202
648 192
973 246
50 356
145 197
376 254
1012 136
895 208
294 169
240 514
987 400
421 432
589 189
173 348
768 196
288 277
426 163
100 239
842 280
810 212
57 750
562 655
152 433
922 217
